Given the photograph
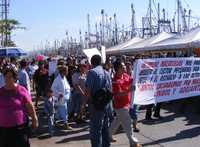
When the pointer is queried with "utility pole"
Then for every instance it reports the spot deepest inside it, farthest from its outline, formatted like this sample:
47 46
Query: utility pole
4 12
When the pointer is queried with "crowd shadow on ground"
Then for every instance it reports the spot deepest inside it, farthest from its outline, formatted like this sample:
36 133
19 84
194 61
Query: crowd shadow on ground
188 109
185 134
42 131
74 138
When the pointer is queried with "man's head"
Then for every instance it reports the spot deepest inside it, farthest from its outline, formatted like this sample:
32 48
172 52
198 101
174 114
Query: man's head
96 60
23 64
13 60
63 70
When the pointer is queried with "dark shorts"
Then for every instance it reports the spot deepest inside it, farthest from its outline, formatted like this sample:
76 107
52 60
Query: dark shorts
15 136
40 91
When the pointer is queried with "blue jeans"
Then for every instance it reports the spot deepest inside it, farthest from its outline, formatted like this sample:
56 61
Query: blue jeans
133 112
62 113
99 127
77 100
51 124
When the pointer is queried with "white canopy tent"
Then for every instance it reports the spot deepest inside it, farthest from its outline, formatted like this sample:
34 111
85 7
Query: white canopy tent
122 46
144 45
188 40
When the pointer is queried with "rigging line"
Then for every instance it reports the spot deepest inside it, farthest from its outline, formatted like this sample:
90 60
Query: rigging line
188 5
155 7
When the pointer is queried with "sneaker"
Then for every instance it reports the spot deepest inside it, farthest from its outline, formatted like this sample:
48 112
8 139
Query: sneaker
136 145
67 127
113 140
136 130
158 116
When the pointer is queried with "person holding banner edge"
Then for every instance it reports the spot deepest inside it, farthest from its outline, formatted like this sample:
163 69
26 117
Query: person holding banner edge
133 108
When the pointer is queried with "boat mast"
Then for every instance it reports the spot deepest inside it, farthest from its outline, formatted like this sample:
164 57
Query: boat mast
133 33
150 17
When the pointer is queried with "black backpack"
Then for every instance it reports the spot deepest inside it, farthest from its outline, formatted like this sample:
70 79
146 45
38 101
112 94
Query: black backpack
103 96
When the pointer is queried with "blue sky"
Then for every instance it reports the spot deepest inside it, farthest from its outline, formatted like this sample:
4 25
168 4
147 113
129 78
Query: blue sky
49 19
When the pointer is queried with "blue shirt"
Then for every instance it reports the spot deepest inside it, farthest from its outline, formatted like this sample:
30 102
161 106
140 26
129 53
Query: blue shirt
24 79
96 79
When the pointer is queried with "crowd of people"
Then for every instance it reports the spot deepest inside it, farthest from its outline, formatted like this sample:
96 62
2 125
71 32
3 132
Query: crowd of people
68 94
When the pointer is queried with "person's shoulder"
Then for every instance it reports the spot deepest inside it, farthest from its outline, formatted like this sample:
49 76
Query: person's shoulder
107 72
98 70
22 71
22 91
126 75
76 74
21 88
57 77
92 71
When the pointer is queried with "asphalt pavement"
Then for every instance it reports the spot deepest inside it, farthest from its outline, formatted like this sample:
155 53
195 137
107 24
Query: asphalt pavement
180 127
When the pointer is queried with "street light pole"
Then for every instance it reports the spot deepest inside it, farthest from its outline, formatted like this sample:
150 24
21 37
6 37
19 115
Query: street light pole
6 23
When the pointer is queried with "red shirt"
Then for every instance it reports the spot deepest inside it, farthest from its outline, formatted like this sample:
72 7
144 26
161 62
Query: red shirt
122 84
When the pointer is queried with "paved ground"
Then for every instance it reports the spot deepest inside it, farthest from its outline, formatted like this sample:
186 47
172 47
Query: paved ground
176 129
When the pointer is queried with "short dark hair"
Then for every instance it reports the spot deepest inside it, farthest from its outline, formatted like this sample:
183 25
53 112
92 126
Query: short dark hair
96 60
11 69
117 64
23 63
13 59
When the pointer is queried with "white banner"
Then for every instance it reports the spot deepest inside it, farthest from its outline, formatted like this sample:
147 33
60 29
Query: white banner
91 52
166 79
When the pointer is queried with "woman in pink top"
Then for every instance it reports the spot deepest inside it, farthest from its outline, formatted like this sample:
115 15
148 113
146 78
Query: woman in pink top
15 107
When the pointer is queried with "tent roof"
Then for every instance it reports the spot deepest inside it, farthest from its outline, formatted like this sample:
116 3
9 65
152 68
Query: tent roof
162 41
121 46
149 42
190 39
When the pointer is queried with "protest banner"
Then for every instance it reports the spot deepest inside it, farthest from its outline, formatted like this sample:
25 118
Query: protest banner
166 79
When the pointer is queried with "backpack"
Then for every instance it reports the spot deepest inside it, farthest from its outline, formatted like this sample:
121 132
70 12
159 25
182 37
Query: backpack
103 96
